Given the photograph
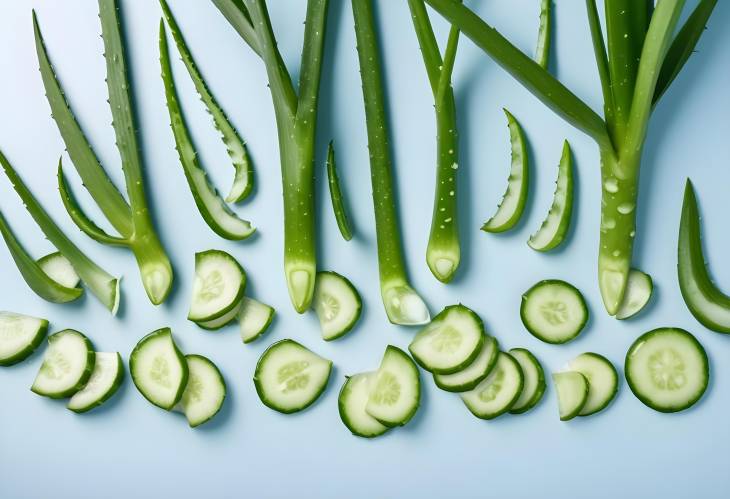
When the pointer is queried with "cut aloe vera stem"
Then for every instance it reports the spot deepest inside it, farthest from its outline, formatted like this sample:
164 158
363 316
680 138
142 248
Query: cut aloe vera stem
104 286
638 293
20 336
338 203
57 267
542 51
131 220
214 210
296 120
105 380
235 145
402 303
254 319
707 303
555 227
443 253
513 202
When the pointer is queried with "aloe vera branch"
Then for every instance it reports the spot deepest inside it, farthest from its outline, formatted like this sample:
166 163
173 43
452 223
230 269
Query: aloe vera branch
599 51
402 304
542 51
338 204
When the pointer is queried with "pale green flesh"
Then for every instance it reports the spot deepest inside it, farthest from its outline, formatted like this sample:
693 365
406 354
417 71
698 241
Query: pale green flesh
221 321
498 392
639 289
20 335
554 311
404 306
602 381
57 267
158 370
534 380
204 392
395 393
336 303
572 390
104 381
254 318
474 372
352 402
67 364
218 286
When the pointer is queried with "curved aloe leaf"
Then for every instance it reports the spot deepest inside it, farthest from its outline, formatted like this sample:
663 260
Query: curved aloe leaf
338 204
542 51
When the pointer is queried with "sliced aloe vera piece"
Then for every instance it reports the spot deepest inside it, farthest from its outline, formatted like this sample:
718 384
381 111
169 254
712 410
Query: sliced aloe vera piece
338 204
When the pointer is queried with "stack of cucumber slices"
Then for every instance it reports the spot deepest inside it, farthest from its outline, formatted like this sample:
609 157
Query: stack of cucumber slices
587 385
191 384
218 297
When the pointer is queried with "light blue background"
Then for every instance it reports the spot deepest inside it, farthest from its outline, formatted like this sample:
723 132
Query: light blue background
131 449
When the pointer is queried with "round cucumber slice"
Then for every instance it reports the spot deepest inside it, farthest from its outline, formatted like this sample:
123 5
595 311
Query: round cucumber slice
450 342
474 373
105 380
352 402
67 365
57 267
498 392
159 369
602 381
639 288
395 393
667 369
221 321
219 285
572 390
289 377
337 304
554 311
20 335
534 381
254 318
204 392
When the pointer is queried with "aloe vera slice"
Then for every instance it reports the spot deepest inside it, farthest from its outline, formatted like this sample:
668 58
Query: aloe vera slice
338 204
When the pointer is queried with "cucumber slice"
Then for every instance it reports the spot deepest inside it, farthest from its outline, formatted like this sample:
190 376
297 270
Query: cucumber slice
159 369
498 392
667 369
204 392
572 389
254 319
555 227
219 285
57 267
473 374
602 381
639 288
450 342
352 402
290 377
395 393
337 304
554 311
534 381
105 380
20 335
221 321
67 365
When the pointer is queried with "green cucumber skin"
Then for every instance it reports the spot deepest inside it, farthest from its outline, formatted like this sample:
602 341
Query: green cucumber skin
627 364
260 389
541 383
507 406
356 317
27 351
577 410
113 390
263 329
237 300
346 420
222 381
180 356
470 386
526 322
692 269
601 358
90 360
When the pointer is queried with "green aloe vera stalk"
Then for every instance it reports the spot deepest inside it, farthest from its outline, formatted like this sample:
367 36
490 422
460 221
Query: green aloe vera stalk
296 119
402 303
542 51
104 286
211 206
131 219
642 58
443 253
338 204
235 146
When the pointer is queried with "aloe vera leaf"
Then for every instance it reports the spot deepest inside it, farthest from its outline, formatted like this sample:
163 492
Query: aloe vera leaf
542 51
235 145
338 204
599 51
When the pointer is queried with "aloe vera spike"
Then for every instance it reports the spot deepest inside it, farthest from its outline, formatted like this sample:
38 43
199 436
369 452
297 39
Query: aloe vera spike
37 280
604 74
104 286
79 217
110 201
213 209
238 16
235 145
542 51
427 43
338 204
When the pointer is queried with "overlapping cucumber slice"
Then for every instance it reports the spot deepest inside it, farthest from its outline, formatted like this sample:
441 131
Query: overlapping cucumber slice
218 287
205 391
159 369
67 365
534 384
105 380
498 392
254 318
572 389
337 304
20 336
352 402
473 374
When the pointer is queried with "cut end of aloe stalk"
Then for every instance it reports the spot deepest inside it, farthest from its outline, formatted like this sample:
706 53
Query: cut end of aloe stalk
117 296
301 288
157 281
612 279
405 307
443 266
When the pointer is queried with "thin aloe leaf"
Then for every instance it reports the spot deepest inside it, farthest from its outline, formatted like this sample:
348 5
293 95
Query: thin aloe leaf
237 15
599 51
542 51
104 286
235 145
32 273
555 227
513 202
338 204
79 217
311 62
110 201
402 303
707 303
528 72
211 206
683 46
427 42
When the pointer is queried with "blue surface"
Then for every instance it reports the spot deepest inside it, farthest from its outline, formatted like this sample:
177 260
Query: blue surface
131 449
